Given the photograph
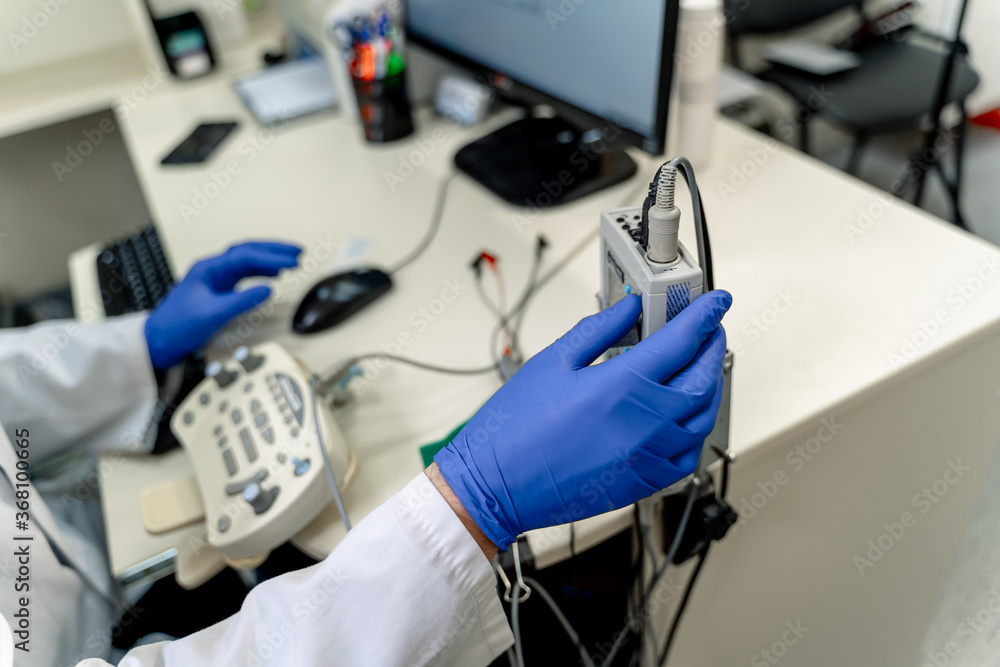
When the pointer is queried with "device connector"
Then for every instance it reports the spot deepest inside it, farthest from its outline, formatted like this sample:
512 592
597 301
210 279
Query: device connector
664 219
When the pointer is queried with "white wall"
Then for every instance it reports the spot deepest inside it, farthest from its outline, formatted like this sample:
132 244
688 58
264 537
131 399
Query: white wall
68 28
981 31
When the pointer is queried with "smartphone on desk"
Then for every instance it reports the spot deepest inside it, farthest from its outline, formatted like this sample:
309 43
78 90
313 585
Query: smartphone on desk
200 144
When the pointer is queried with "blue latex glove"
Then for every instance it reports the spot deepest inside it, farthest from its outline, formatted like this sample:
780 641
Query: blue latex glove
205 301
564 440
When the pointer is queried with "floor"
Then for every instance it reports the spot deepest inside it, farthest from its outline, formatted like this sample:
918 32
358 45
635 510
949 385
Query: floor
966 629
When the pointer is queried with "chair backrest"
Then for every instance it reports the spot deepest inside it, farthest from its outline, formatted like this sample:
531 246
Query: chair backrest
765 16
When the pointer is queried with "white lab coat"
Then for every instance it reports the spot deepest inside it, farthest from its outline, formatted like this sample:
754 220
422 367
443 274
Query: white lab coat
408 586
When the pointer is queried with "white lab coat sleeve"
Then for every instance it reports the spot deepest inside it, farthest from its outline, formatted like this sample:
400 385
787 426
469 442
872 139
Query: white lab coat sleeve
408 586
86 386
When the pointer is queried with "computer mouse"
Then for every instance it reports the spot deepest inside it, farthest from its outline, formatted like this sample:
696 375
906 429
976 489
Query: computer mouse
334 299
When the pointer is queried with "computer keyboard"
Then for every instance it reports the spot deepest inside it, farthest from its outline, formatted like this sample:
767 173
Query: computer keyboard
133 273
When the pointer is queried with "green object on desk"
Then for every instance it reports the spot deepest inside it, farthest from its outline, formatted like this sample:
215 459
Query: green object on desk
427 452
395 65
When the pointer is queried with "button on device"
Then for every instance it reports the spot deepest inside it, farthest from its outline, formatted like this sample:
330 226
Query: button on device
282 458
268 435
248 444
230 461
223 441
224 523
301 466
260 499
204 399
248 387
237 488
223 376
255 405
295 432
620 219
237 416
260 419
223 406
188 417
288 419
217 430
247 359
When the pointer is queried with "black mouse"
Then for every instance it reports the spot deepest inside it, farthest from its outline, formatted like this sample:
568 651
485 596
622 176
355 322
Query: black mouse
334 299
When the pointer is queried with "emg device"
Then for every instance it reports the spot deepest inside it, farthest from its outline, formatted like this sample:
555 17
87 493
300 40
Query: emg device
641 254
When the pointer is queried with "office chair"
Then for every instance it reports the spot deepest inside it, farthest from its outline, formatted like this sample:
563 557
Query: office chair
898 85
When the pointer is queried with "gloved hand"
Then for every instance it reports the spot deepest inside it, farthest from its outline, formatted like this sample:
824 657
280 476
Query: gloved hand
563 440
205 300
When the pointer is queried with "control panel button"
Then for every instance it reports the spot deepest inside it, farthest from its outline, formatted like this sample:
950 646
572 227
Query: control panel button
293 396
295 432
237 416
260 499
268 435
223 376
223 406
224 523
248 387
230 461
217 431
236 488
248 444
255 405
301 466
188 417
223 441
260 419
204 398
248 359
282 458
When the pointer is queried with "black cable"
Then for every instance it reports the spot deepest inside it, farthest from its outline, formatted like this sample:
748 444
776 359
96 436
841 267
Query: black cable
702 555
701 224
436 216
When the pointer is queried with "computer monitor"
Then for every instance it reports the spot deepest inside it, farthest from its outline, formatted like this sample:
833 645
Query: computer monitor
605 66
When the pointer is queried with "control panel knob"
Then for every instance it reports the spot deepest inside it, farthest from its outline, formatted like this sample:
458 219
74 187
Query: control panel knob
247 359
260 499
222 375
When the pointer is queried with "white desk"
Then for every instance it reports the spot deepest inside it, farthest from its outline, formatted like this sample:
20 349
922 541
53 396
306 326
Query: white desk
824 356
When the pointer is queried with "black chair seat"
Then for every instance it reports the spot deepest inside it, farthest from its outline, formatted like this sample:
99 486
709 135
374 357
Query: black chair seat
894 87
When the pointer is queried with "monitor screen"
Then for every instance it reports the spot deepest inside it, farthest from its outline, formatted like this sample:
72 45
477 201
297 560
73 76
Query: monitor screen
603 57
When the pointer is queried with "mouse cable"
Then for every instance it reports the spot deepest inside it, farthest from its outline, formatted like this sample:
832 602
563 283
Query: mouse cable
344 369
313 379
702 555
536 285
436 216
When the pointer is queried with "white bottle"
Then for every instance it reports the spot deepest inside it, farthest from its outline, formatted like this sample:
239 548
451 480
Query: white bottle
701 37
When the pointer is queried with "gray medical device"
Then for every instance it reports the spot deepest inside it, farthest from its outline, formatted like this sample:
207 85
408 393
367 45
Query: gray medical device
641 254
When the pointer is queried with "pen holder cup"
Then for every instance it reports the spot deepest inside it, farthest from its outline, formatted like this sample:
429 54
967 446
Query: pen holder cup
384 107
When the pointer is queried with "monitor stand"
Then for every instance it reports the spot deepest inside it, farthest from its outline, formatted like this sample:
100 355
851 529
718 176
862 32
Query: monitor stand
542 162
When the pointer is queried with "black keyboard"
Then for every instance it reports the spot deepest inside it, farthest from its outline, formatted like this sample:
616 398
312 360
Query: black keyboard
133 273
